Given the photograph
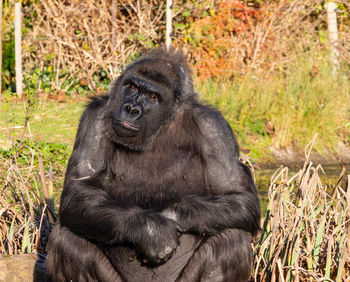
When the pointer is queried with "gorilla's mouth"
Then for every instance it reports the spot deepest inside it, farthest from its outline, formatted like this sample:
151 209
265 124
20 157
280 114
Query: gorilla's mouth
128 125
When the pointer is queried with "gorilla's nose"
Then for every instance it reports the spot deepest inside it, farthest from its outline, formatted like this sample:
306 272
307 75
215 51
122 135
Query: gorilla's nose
134 111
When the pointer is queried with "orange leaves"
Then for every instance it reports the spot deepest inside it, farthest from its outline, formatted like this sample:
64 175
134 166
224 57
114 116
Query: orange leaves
216 39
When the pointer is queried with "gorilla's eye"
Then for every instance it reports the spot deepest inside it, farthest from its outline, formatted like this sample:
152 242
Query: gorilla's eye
152 95
132 86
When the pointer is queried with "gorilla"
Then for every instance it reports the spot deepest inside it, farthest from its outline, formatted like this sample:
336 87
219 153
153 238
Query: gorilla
154 189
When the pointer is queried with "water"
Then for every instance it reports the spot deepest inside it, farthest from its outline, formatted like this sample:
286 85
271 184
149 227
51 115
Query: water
329 178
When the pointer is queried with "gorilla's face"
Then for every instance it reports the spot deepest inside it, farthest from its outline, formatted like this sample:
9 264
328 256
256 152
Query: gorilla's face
143 101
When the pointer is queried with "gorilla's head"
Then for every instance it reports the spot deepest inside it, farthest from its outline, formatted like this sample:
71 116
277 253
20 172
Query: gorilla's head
146 97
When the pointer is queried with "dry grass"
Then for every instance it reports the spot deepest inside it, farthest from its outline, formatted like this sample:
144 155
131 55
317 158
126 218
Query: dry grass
24 216
77 39
306 228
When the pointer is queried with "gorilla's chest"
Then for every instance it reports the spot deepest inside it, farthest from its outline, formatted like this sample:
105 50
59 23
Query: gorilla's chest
153 179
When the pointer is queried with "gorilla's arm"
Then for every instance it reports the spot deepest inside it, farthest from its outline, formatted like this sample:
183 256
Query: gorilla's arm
233 202
88 210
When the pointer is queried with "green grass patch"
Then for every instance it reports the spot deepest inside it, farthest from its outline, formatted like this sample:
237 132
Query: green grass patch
50 122
280 110
286 108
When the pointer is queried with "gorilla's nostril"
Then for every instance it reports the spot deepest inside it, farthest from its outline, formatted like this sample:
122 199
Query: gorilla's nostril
128 108
134 111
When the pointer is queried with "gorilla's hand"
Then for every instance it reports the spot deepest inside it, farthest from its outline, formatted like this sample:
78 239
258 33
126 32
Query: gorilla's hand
154 236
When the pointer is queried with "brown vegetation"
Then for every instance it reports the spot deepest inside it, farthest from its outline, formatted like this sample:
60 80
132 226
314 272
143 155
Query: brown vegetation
24 217
80 38
305 234
224 38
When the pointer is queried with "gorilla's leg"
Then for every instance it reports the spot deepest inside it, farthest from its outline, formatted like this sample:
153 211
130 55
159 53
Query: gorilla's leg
224 257
133 269
72 258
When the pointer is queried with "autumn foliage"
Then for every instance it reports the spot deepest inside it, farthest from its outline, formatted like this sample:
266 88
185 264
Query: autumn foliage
223 39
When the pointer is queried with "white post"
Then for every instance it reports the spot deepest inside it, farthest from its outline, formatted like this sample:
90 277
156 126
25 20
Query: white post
333 34
0 48
169 4
113 34
18 49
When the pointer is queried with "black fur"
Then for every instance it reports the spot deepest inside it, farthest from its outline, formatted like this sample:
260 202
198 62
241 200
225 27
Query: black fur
154 189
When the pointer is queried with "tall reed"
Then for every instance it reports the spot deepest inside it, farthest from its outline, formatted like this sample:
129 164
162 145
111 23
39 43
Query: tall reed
305 234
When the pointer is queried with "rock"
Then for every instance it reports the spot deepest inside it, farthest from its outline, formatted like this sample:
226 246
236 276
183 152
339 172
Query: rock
23 268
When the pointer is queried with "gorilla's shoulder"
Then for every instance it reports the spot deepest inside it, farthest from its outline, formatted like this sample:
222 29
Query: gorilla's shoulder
92 114
216 133
97 101
210 118
93 107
